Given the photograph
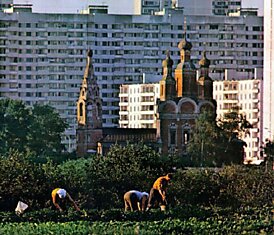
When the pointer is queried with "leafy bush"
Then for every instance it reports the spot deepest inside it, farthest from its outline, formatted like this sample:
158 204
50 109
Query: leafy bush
229 186
22 180
244 186
100 182
123 169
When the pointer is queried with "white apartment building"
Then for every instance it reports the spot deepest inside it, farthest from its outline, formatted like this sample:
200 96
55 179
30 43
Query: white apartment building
225 7
268 91
136 7
42 56
138 105
4 4
247 95
151 7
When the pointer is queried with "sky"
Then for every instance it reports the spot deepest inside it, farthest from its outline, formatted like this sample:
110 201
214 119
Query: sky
74 6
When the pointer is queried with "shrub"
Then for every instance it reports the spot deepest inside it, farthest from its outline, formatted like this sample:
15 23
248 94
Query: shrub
22 180
122 169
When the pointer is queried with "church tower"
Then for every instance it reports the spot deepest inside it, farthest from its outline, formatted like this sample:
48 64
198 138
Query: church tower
89 111
178 110
167 84
185 73
205 83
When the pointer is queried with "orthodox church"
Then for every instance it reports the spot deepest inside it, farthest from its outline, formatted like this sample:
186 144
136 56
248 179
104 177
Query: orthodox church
182 98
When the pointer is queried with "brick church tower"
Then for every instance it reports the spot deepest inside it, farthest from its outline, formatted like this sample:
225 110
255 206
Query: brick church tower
89 112
182 100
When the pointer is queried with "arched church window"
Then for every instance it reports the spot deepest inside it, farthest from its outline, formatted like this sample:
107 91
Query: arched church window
186 130
172 135
81 110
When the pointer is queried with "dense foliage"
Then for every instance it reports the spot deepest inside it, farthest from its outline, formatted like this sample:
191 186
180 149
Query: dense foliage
208 144
218 144
100 182
37 130
229 200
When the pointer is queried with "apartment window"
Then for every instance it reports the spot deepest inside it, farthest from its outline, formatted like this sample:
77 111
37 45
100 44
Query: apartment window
256 28
213 26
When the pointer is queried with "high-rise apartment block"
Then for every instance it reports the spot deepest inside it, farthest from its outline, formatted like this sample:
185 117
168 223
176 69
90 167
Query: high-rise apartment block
246 95
138 105
225 7
4 4
42 56
268 70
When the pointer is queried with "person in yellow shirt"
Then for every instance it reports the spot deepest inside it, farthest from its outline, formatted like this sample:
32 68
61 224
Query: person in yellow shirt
60 197
157 195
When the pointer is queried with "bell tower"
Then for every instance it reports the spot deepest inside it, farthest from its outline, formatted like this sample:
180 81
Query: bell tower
167 84
89 111
205 83
185 72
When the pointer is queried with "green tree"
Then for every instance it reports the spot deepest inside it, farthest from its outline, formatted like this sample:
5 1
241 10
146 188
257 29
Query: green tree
36 130
234 122
22 179
15 121
124 168
208 141
269 152
236 126
46 129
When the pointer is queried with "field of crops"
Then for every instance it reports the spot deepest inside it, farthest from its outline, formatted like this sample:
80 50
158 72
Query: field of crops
247 221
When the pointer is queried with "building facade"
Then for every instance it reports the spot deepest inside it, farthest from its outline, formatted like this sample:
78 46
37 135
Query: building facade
226 7
92 137
246 95
268 91
138 105
42 55
5 4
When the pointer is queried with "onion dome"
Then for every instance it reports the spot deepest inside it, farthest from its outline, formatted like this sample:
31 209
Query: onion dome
185 45
89 53
204 62
168 62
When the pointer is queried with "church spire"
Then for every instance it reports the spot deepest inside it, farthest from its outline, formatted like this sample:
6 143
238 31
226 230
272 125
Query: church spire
89 105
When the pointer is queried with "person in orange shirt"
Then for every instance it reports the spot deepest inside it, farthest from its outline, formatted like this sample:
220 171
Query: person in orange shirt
60 197
157 195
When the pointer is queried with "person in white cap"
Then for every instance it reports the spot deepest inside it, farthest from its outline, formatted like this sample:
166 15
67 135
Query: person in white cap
135 200
60 197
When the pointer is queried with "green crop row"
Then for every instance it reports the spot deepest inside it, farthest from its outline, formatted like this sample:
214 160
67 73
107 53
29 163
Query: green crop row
178 213
190 226
186 220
